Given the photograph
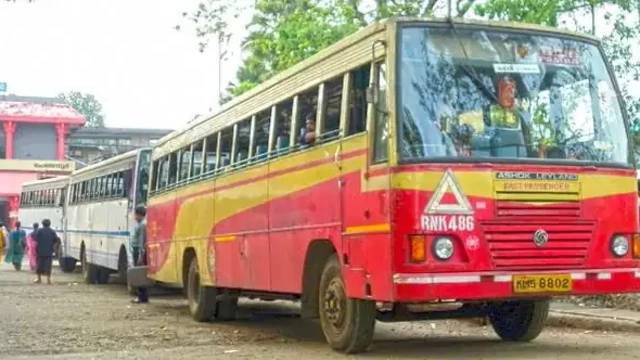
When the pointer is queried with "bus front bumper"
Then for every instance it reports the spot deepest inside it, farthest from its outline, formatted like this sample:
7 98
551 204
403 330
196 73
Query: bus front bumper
503 285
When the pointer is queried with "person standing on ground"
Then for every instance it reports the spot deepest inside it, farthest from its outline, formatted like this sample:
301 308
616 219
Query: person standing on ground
46 239
16 247
32 252
3 239
138 247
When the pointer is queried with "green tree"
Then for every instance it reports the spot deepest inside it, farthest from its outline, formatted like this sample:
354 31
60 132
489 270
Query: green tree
87 105
283 33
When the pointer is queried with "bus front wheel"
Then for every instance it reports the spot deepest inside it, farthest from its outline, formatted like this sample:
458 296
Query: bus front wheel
521 320
347 324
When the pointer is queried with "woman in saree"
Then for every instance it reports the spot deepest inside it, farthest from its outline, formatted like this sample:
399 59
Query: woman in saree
32 248
16 247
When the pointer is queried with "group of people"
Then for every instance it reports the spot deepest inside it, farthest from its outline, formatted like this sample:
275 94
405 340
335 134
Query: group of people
39 245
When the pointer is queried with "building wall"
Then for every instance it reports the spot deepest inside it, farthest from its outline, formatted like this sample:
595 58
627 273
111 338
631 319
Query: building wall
12 181
35 141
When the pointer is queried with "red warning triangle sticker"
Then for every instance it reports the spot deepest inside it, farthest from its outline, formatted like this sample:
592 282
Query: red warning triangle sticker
448 198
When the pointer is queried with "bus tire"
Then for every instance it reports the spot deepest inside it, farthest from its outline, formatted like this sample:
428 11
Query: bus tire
348 324
67 264
89 271
227 309
521 320
102 275
123 266
202 299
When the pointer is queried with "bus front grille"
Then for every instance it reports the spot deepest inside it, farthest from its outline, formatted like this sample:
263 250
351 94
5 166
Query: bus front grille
512 245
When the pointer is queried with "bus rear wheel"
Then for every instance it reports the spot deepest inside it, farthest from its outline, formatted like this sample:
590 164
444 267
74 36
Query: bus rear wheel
203 300
89 271
521 320
347 324
67 264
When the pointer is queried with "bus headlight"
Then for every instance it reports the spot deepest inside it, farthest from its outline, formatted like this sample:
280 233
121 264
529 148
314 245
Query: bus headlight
443 248
619 245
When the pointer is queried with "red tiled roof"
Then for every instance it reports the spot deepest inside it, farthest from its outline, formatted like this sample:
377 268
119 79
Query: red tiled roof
25 110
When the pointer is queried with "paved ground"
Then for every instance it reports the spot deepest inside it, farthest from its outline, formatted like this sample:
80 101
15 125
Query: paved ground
70 320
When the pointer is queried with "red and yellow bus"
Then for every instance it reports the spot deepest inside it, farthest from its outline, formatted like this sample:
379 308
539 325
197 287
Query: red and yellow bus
418 169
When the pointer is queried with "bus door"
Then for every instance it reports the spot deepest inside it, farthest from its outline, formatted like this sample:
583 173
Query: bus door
366 183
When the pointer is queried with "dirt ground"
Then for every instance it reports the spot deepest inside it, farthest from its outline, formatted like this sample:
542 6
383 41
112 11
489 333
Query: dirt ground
71 320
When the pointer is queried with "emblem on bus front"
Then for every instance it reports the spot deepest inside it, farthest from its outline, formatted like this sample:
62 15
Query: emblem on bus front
540 238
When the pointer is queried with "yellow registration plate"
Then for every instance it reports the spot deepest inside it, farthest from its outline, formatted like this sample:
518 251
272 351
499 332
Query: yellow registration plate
526 284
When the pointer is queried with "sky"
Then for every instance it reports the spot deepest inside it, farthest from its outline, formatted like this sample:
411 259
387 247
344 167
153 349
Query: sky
125 52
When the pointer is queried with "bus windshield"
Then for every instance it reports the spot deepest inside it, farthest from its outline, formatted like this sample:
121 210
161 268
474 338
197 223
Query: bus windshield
502 94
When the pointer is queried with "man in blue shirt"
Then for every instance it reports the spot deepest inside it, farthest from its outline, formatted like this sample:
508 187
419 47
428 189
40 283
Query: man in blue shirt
138 246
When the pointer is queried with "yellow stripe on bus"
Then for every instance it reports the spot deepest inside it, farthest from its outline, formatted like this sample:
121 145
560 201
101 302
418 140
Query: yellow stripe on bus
225 238
368 228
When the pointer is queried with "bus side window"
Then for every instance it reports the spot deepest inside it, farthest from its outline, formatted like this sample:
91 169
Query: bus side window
211 157
173 168
196 160
307 113
263 122
164 173
358 106
284 115
332 108
242 141
185 162
225 147
154 177
381 121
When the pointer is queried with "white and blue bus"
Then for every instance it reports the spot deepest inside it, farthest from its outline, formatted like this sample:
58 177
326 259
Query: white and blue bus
45 199
99 210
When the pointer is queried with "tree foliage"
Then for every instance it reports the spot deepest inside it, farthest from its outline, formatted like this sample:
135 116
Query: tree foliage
87 105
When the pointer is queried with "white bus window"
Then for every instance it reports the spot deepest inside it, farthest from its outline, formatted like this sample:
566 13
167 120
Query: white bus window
225 147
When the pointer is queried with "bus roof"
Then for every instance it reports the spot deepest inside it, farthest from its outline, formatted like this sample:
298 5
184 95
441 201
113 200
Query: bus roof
46 183
114 162
362 34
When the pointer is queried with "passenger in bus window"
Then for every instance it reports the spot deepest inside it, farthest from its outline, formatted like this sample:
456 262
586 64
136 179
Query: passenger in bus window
308 133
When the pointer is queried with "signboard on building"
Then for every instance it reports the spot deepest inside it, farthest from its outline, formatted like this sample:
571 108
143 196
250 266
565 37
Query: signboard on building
40 166
3 87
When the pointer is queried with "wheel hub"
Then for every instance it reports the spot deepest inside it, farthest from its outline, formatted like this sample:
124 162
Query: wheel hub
335 304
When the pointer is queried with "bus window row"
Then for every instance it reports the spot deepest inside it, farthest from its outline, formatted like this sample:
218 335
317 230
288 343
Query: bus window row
323 113
42 198
111 186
